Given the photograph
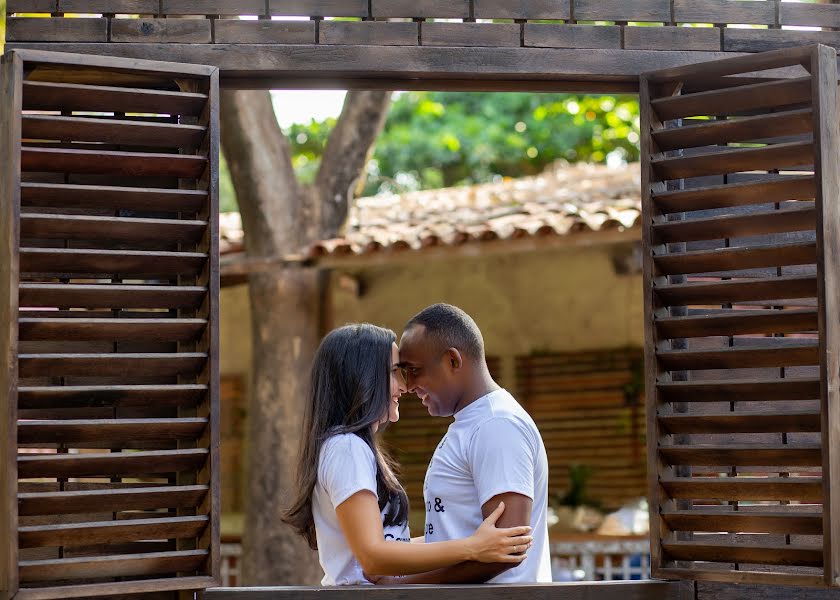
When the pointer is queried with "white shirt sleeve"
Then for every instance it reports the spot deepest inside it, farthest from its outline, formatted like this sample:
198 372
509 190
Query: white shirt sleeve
502 459
346 466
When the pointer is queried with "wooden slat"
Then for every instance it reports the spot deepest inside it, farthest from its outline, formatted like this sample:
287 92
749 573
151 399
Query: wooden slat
65 195
766 521
776 156
740 391
325 8
110 532
730 259
110 296
724 11
798 218
136 262
43 95
110 162
737 456
734 100
521 9
619 10
161 364
709 133
123 229
126 565
112 500
748 422
735 358
124 330
428 9
778 189
33 397
89 590
112 131
118 431
758 554
720 292
213 7
738 322
802 489
113 464
108 6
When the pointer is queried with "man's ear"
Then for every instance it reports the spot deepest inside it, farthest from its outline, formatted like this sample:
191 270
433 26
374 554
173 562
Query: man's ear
454 358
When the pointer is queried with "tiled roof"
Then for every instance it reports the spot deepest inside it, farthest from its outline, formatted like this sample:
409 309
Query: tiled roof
561 201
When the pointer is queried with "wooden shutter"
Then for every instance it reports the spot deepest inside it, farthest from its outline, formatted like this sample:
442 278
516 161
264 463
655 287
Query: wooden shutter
740 201
589 411
109 320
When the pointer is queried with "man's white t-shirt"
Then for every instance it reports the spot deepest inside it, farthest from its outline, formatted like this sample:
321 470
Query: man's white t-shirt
346 465
492 447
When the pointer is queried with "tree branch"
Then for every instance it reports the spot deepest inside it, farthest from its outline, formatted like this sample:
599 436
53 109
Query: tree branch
259 158
346 154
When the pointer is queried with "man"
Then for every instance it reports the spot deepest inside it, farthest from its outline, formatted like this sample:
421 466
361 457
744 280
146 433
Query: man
492 453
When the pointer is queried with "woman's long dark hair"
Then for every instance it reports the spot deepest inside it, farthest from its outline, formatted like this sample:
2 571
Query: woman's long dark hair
350 391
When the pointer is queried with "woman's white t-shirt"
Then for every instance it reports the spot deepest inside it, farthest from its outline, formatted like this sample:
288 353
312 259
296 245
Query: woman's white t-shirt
346 465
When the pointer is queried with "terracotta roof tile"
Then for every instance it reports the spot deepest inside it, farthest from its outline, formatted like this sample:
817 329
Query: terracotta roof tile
561 201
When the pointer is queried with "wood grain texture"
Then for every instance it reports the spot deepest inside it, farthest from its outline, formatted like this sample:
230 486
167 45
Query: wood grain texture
521 9
234 31
546 35
31 29
369 33
672 38
470 34
195 31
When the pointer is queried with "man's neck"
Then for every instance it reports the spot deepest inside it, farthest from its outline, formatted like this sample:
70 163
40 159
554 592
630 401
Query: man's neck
481 385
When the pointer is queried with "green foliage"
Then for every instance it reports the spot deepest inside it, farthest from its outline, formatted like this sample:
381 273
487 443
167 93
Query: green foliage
436 139
575 495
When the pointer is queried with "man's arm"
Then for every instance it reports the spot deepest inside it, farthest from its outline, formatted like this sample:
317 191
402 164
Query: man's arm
517 512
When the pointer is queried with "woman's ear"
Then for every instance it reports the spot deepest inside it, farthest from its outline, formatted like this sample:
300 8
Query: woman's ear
454 358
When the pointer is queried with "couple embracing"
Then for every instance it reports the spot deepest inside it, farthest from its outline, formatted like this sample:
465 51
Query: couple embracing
486 487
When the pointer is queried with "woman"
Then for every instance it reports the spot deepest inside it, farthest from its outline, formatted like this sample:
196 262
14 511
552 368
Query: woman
348 504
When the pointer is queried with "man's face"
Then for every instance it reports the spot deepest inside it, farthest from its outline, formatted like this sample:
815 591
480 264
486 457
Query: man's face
429 372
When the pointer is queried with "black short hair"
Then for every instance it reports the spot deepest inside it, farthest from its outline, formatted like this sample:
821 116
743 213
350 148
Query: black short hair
452 327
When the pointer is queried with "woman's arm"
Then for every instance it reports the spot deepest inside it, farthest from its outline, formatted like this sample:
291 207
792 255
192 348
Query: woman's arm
361 523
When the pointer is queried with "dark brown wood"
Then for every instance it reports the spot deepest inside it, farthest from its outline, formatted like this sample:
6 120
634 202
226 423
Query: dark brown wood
264 31
766 521
110 296
741 391
28 29
114 464
738 323
802 489
369 32
672 38
118 330
31 397
776 156
111 162
746 129
117 431
470 34
724 11
428 9
109 532
744 40
11 74
47 95
731 259
162 364
827 144
803 353
616 10
183 31
78 227
776 584
777 189
521 9
58 503
139 262
810 15
319 8
719 292
764 554
732 456
796 218
547 35
114 131
152 563
96 196
735 100
747 422
213 7
108 6
123 588
613 590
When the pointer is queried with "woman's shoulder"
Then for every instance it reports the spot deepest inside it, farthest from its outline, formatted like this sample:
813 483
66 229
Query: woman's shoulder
345 443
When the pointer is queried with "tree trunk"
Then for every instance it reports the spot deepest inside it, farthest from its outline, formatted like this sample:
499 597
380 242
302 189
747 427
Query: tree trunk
280 217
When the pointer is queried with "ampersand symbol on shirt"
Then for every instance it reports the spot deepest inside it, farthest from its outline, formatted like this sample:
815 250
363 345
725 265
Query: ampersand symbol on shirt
439 505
